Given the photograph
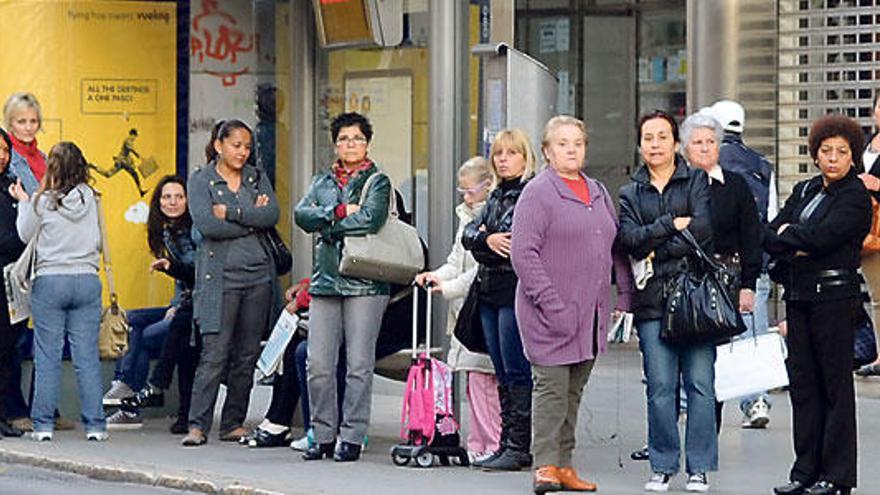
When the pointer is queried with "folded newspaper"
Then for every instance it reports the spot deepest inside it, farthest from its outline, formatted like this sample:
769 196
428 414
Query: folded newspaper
272 357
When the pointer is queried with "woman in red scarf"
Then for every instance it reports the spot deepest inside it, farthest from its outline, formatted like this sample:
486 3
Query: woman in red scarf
23 118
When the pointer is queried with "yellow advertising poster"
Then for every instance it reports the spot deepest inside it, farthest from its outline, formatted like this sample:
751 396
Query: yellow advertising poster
105 75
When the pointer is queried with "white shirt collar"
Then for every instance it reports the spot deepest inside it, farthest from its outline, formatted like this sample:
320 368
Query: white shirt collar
717 174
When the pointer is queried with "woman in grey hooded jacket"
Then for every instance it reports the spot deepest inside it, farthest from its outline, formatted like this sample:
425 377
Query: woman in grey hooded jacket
66 293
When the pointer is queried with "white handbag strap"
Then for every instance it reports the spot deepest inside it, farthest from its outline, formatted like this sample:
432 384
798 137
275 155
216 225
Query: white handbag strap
392 197
32 254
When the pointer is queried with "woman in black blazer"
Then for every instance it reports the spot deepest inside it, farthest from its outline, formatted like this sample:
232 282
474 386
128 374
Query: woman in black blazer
816 242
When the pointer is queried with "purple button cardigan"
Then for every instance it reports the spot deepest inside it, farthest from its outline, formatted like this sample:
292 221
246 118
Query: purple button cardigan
561 250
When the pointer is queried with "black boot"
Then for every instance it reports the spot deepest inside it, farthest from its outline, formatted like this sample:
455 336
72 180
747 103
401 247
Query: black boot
515 453
504 400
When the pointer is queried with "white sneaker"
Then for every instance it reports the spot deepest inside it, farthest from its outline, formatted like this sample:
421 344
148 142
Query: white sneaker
124 420
697 483
659 482
758 415
97 436
41 436
301 444
118 390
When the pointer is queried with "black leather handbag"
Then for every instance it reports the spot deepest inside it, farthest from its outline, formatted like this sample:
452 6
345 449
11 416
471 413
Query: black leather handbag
699 308
274 245
468 326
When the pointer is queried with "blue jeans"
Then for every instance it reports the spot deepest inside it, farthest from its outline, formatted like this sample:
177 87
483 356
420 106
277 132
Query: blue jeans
67 305
664 365
761 323
148 331
504 345
302 353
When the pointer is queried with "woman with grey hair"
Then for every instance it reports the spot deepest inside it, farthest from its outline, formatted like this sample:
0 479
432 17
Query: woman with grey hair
736 228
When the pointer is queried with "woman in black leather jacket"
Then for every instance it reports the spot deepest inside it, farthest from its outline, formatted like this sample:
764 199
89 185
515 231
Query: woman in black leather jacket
665 197
10 249
488 238
170 237
816 242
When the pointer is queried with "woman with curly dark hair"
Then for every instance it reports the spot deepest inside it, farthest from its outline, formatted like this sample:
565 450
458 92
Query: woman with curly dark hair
66 294
816 241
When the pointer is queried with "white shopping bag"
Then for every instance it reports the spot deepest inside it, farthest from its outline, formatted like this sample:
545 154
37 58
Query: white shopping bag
621 329
750 366
271 358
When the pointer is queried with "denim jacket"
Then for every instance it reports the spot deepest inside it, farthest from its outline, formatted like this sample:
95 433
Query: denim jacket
19 167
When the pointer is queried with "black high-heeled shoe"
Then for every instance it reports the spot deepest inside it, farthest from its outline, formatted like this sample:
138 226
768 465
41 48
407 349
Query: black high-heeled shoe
319 451
825 487
8 430
792 488
262 438
347 452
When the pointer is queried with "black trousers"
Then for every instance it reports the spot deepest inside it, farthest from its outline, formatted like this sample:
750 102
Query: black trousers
177 352
820 365
8 339
230 354
285 388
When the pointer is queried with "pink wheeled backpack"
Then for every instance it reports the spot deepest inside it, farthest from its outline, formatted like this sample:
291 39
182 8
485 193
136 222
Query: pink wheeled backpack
427 423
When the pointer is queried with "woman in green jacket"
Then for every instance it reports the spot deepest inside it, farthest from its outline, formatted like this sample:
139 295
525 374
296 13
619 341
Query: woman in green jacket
343 309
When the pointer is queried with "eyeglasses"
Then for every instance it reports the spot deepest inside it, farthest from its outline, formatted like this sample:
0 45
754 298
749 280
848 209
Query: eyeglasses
356 140
473 190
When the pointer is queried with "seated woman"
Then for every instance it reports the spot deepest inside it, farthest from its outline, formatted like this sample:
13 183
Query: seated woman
170 237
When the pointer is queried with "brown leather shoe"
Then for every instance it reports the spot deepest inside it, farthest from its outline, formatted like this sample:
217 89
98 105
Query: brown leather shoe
547 480
23 424
573 483
234 435
194 438
64 424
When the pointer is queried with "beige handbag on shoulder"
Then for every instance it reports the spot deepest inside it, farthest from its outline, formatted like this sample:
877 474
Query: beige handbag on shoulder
113 332
393 254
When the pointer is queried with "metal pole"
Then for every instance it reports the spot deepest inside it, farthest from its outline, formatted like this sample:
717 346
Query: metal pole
302 128
448 76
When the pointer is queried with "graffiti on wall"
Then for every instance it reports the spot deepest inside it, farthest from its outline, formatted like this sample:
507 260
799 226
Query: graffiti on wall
218 40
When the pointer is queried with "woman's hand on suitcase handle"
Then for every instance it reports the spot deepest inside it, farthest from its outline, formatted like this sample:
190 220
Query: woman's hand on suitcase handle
429 281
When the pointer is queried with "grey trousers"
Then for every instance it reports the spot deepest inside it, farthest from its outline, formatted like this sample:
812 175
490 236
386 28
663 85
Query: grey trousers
232 354
556 397
354 320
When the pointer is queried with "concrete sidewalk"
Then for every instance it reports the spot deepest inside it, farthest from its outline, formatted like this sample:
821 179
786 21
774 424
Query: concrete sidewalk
612 423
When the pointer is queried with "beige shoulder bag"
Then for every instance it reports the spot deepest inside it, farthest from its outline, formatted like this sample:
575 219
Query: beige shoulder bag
113 333
393 254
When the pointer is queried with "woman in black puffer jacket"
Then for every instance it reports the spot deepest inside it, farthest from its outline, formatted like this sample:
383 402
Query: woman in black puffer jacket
10 249
488 238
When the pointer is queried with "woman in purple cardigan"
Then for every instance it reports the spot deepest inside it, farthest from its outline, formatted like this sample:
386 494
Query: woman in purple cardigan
563 233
